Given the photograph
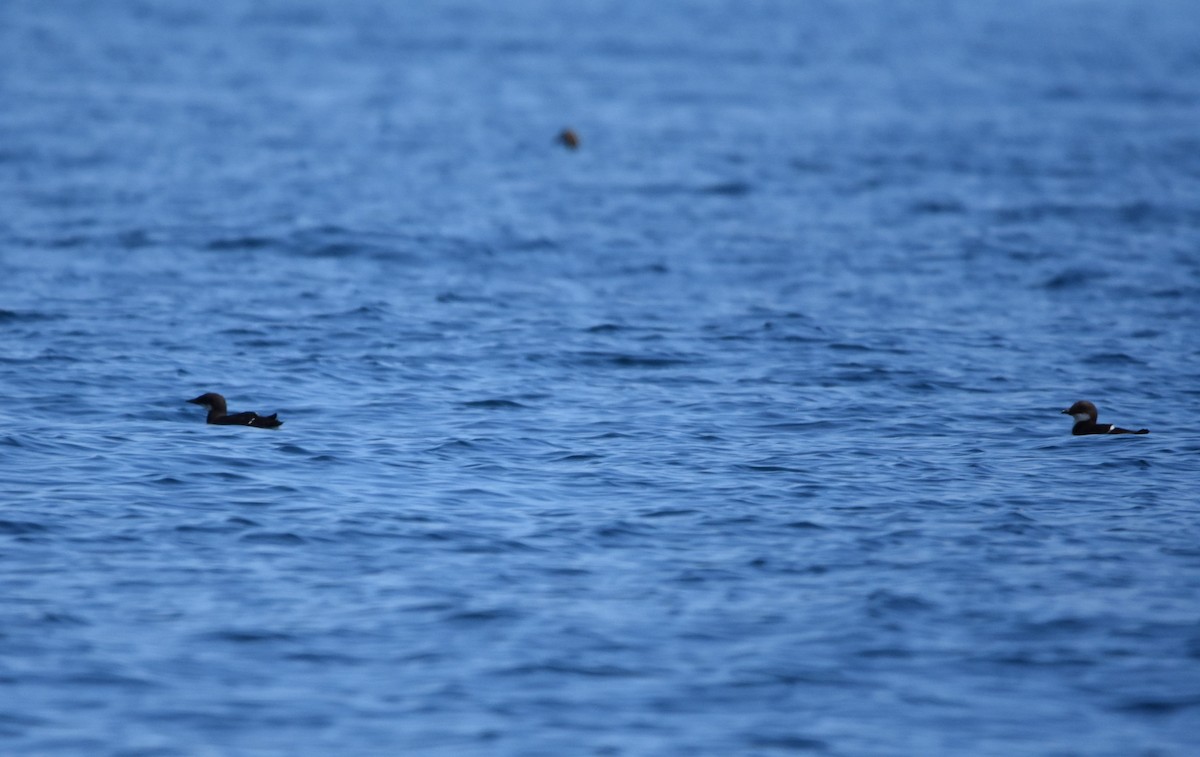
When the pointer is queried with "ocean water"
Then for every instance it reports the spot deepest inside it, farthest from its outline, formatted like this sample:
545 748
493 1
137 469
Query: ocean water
735 431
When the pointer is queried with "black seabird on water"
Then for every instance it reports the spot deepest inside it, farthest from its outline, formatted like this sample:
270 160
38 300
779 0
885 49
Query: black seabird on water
1085 416
217 413
568 139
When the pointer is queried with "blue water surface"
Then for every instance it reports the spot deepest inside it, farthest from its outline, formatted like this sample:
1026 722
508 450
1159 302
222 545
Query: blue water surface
735 431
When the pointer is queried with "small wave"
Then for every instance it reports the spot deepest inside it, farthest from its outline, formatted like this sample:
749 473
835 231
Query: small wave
618 530
644 268
18 527
63 619
531 244
579 457
457 297
1114 358
669 512
1172 293
482 616
801 425
604 328
937 207
283 537
205 528
850 347
331 250
372 310
496 404
336 242
805 525
862 374
720 188
766 468
789 743
1159 706
1072 278
107 678
248 636
727 188
452 445
324 658
590 671
500 547
809 165
886 601
13 316
240 243
625 360
886 653
240 331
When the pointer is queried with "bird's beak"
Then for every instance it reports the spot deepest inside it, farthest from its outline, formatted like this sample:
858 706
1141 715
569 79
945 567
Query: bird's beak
197 401
1065 412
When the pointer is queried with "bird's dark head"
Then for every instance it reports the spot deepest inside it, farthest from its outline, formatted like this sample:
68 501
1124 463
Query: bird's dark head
1082 411
210 400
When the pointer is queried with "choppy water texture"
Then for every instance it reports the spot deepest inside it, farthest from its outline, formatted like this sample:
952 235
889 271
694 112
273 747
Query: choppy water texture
734 432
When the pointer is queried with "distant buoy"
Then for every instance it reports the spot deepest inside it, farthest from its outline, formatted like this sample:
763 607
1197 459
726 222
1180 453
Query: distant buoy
568 139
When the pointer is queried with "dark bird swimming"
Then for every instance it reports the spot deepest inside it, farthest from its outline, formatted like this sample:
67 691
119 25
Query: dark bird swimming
568 139
218 415
1085 416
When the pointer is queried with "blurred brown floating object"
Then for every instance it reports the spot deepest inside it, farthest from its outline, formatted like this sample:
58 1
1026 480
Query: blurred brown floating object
569 139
